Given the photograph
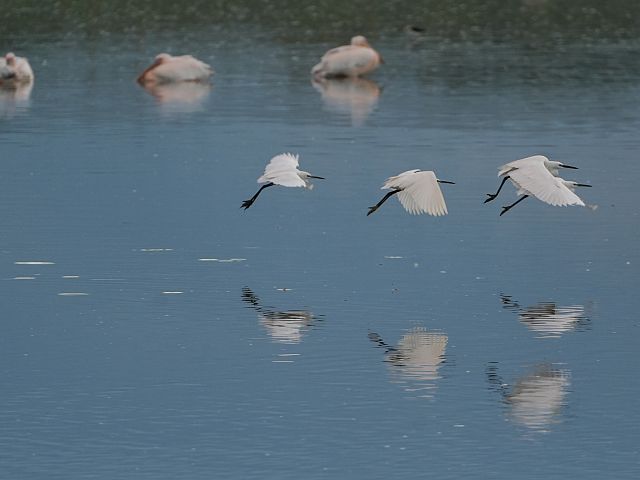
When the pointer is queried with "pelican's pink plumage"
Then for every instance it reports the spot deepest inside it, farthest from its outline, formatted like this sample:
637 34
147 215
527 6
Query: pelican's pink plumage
168 69
15 69
348 60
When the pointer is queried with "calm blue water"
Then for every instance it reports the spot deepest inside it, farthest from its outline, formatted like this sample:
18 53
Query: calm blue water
153 329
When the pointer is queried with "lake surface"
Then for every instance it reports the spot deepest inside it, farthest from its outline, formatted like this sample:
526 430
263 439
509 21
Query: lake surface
153 329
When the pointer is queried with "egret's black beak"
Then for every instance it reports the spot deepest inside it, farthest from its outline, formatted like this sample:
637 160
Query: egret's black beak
569 166
319 178
445 181
583 185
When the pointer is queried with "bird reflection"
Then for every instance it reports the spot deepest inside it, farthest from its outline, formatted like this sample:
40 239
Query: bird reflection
548 319
356 97
14 98
282 326
415 359
536 399
183 97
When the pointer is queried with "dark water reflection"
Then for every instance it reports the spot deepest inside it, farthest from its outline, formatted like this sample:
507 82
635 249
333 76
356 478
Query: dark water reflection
286 326
415 360
175 98
548 319
14 100
355 97
535 400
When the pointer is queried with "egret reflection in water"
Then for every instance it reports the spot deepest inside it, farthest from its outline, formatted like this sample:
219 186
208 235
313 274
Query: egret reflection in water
547 318
183 97
283 326
416 358
536 399
356 97
14 99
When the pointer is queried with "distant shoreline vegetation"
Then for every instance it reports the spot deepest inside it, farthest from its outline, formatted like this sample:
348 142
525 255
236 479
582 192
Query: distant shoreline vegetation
324 20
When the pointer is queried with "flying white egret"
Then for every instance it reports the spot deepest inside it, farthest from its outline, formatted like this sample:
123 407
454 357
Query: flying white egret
537 176
282 170
418 192
167 69
348 60
15 70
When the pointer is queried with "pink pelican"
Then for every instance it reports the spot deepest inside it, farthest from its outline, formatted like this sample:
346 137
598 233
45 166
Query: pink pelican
15 69
167 69
348 60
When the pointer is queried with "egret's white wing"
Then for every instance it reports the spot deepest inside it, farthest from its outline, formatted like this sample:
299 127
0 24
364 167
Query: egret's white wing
522 163
536 180
282 162
287 179
283 170
420 192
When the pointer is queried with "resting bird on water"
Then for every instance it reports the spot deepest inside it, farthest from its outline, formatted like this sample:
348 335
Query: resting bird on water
348 60
167 69
14 69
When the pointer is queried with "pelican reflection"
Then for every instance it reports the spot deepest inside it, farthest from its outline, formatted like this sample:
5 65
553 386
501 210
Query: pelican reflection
356 97
416 358
547 318
14 98
183 97
536 399
286 326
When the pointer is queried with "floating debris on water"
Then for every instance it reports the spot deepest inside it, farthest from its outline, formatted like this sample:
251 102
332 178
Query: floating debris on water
33 262
222 260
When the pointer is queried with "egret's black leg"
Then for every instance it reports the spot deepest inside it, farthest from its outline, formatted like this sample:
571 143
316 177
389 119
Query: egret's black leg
384 199
509 207
494 195
247 203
